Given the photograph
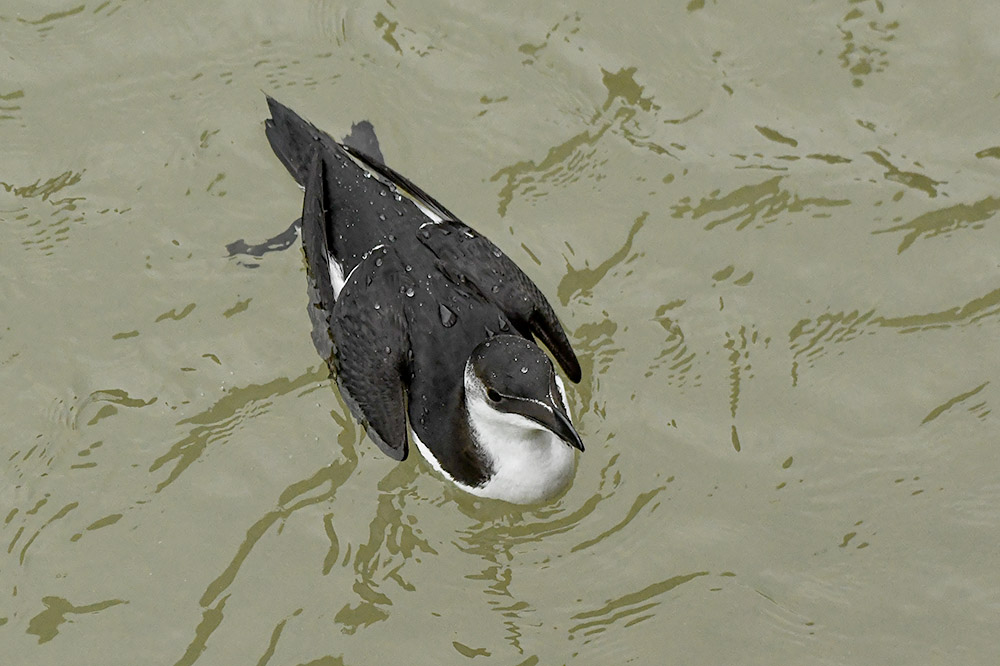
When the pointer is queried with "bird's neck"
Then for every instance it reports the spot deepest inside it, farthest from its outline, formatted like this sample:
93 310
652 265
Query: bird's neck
529 463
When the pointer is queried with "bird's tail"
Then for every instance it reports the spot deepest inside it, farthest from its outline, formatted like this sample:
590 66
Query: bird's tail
293 140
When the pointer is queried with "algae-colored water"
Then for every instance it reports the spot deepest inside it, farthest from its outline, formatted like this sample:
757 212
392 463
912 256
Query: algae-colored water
770 230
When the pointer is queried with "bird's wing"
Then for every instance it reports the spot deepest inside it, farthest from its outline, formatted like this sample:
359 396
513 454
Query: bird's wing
372 349
431 206
472 258
469 258
315 226
366 347
322 296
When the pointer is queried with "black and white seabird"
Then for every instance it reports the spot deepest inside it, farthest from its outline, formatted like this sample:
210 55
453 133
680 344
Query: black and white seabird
422 319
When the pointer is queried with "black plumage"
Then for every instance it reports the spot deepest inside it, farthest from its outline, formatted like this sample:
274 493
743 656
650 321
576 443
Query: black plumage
418 296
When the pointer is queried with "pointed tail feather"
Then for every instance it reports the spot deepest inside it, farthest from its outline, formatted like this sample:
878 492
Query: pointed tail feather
293 140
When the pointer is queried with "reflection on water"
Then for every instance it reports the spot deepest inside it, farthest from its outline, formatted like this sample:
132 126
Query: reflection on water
45 625
639 504
580 282
43 232
738 345
58 515
675 355
217 423
810 337
296 497
500 535
770 234
776 136
760 203
629 609
866 36
912 179
10 106
393 540
498 542
569 25
110 400
980 409
578 157
944 221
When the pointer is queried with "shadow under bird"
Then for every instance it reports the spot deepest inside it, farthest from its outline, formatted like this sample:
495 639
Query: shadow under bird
423 320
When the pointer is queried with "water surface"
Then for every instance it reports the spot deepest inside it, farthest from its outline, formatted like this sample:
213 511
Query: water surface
770 231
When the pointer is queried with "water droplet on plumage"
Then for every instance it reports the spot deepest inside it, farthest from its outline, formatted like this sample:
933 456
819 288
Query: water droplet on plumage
392 239
409 268
448 318
381 193
496 253
378 307
367 175
409 292
378 261
524 370
495 288
399 197
388 350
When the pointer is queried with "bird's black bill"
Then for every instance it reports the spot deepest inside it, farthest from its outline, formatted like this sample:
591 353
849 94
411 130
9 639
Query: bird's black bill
549 416
565 430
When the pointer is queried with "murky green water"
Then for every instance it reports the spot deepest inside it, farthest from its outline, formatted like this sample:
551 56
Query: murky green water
770 228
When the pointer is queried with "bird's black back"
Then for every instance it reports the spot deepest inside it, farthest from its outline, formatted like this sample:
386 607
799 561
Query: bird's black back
419 296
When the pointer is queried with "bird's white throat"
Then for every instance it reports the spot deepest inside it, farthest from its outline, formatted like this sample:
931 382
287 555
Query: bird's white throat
530 463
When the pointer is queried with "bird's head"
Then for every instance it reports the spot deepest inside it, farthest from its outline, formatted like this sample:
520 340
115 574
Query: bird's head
510 380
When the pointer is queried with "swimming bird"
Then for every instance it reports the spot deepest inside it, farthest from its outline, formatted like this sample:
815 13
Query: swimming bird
422 320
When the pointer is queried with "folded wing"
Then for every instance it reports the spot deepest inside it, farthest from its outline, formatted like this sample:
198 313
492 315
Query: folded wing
471 259
364 342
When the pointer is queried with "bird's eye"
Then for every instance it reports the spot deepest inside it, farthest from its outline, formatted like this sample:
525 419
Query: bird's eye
492 395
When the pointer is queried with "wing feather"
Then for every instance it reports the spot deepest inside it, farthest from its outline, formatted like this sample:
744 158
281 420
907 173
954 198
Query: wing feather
365 347
372 351
470 258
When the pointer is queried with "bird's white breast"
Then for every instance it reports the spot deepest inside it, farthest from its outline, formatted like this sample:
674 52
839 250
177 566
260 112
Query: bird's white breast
530 463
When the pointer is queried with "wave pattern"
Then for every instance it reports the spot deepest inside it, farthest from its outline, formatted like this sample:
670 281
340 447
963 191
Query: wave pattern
811 338
753 205
45 219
